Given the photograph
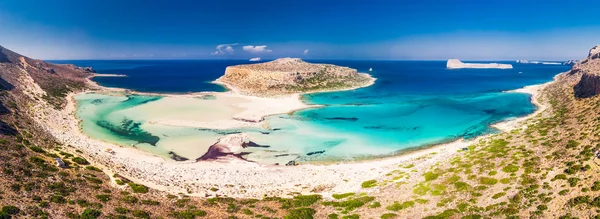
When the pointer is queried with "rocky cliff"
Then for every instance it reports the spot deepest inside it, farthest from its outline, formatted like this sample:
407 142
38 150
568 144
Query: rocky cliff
589 69
291 75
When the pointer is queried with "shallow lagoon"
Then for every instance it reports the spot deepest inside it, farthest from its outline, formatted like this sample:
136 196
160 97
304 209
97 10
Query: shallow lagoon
412 104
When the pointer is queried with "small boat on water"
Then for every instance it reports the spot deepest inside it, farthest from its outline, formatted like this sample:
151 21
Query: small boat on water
370 69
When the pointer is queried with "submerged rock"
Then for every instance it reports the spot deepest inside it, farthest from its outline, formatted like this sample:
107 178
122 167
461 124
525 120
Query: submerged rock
314 152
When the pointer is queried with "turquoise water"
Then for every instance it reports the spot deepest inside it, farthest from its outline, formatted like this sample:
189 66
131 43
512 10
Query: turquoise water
412 104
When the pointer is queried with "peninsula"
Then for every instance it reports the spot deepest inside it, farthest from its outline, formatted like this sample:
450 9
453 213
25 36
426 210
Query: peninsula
287 76
455 63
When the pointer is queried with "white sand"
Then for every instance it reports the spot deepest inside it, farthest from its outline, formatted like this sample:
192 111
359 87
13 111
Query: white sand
233 177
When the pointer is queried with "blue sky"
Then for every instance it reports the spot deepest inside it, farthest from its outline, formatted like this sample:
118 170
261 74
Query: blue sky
319 29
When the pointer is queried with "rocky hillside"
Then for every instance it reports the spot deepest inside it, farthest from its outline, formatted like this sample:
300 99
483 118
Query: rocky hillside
291 75
589 69
39 79
34 186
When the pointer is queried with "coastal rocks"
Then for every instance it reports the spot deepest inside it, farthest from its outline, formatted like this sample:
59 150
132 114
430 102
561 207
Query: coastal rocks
227 145
571 62
589 69
455 64
291 75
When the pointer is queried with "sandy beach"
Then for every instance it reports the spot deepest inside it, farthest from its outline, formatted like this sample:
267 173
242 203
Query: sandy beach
237 178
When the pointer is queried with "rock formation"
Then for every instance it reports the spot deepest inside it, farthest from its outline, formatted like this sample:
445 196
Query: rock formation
571 62
589 69
455 63
291 75
228 145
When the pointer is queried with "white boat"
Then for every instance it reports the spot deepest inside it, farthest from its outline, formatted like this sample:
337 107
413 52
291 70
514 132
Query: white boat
370 69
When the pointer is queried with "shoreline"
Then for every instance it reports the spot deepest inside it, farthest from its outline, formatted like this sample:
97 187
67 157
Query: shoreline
236 178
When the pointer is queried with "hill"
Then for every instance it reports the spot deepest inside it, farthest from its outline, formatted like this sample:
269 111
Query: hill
291 75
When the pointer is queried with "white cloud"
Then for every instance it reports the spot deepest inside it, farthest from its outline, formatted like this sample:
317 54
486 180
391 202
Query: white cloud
306 52
256 49
224 49
255 59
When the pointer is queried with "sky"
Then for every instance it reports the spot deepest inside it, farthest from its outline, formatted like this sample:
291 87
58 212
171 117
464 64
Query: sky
310 29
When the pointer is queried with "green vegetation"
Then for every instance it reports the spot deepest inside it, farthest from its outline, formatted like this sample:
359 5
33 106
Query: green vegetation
369 183
80 160
137 188
300 213
342 196
399 206
351 204
90 214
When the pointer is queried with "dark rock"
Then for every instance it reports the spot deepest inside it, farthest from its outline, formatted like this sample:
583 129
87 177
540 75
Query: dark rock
314 152
588 86
352 119
291 163
176 157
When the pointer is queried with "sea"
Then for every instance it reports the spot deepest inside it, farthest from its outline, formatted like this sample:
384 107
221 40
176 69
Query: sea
412 104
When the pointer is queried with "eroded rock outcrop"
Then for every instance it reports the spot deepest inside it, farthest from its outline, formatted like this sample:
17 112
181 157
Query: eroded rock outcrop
291 75
589 69
228 145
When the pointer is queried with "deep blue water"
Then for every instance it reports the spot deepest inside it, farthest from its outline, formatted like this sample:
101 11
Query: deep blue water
412 103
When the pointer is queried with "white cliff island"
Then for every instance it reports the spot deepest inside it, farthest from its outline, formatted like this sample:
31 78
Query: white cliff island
455 64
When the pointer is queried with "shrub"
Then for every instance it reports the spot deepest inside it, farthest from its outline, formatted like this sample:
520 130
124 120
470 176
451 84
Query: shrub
9 209
573 181
430 176
488 181
93 168
542 207
461 186
141 214
150 202
37 149
188 214
397 206
130 199
510 168
342 196
351 204
352 216
579 200
596 186
58 199
388 216
301 213
121 210
89 213
572 144
103 197
137 188
369 183
80 160
498 195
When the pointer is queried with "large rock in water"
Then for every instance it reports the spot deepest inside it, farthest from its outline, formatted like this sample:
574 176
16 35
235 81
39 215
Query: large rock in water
589 69
291 75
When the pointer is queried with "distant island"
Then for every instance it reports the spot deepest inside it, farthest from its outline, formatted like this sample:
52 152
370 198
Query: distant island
455 63
286 76
568 62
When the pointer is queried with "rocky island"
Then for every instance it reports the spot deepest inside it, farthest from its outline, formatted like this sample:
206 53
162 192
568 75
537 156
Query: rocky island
455 63
291 75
